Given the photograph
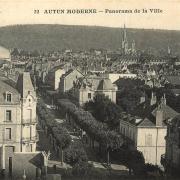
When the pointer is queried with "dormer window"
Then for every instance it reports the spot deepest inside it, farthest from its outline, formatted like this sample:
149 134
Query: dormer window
8 97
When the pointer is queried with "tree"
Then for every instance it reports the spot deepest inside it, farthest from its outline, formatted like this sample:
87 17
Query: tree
63 139
104 110
82 169
75 154
133 159
61 135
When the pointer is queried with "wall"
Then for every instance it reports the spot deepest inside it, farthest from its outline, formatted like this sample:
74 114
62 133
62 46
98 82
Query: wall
67 82
14 125
29 127
58 75
129 130
154 148
114 77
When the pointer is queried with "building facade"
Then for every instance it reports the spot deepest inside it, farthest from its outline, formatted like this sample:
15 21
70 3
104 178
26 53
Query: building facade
148 132
67 80
146 137
87 88
53 77
18 118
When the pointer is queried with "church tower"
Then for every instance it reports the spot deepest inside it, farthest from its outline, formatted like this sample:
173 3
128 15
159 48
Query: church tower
124 41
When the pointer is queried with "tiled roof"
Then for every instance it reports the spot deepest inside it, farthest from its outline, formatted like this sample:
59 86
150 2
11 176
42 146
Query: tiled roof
146 123
176 121
144 110
5 87
69 72
57 68
168 112
24 84
105 84
95 83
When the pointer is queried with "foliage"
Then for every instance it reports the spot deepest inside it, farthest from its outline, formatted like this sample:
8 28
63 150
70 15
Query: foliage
96 130
133 159
75 154
104 110
40 36
82 169
129 93
61 134
152 168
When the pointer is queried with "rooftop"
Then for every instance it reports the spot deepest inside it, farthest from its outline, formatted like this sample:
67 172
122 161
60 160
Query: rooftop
24 84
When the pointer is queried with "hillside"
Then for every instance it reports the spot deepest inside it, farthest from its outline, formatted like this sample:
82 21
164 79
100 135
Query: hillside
57 37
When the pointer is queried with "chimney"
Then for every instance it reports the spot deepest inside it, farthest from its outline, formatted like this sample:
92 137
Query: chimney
153 99
163 100
159 116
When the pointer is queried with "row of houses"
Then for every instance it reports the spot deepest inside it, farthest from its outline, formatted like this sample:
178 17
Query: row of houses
82 87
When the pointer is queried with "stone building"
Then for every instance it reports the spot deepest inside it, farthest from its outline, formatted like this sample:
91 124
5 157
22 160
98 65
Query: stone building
18 119
53 77
85 89
67 80
147 130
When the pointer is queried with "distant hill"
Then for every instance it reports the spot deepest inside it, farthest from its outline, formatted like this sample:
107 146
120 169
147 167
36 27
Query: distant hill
57 37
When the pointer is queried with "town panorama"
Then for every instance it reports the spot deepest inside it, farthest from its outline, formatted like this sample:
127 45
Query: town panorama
90 114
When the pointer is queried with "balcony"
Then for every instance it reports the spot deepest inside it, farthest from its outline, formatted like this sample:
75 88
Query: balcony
27 122
30 139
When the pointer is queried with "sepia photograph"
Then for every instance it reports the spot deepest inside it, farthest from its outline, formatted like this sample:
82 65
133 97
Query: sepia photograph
89 90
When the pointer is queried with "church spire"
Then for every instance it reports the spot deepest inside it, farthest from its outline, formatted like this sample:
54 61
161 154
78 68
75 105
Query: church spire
169 50
124 41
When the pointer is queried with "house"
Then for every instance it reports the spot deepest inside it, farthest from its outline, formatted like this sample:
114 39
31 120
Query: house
67 80
18 119
53 77
147 130
86 88
171 158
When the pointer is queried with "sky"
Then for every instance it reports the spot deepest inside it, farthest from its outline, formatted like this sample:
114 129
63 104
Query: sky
22 12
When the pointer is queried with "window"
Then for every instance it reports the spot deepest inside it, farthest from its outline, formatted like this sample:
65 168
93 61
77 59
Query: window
148 140
8 115
89 95
8 97
8 133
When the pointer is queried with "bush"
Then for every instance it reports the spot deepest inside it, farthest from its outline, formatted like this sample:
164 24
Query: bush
82 169
152 168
